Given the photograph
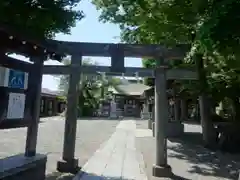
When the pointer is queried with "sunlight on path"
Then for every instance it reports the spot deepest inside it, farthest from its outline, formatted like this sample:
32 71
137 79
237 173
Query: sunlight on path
117 158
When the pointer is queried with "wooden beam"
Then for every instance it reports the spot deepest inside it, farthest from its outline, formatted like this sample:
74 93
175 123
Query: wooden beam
15 64
183 74
57 70
19 37
129 50
129 71
100 49
65 70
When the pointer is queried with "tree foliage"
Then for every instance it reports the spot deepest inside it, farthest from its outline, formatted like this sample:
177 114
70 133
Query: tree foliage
92 88
211 27
40 18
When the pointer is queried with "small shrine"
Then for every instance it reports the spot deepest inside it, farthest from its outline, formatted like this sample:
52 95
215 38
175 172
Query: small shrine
128 98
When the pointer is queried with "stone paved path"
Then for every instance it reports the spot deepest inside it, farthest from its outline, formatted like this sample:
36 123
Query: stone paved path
188 159
117 159
91 133
127 154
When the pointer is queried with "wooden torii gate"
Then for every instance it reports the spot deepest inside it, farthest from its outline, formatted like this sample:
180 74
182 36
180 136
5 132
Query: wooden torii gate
117 52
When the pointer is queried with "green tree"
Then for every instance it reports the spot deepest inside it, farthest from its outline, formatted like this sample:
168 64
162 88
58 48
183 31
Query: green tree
89 88
40 18
207 25
92 88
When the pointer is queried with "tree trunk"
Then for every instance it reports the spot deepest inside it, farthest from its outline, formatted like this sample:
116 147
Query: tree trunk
208 132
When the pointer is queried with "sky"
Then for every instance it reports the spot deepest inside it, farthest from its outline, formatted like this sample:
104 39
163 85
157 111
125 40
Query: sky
88 29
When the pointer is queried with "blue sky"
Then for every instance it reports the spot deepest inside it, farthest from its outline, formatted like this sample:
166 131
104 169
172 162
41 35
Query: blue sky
88 29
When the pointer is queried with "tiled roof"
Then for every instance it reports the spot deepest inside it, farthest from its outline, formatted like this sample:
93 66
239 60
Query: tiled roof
50 92
133 89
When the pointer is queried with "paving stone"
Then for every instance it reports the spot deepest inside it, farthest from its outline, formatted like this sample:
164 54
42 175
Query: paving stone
188 159
50 139
123 163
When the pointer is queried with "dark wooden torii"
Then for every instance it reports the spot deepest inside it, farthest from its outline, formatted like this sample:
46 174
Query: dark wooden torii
12 167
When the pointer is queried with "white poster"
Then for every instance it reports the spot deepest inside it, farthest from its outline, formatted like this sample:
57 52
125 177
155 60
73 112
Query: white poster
16 106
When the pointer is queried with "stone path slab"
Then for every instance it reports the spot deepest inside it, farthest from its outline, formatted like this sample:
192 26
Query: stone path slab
117 159
91 133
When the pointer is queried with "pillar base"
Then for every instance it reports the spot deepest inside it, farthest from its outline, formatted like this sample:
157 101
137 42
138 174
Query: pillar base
68 166
162 171
20 167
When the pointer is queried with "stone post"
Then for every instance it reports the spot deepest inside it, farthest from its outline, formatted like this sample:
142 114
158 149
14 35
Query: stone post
55 107
69 163
153 119
34 93
113 110
161 168
145 111
45 108
176 109
150 115
184 110
171 111
50 107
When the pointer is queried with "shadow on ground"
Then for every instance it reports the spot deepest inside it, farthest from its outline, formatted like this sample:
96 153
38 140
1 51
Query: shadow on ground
193 138
203 161
175 177
145 145
59 176
88 176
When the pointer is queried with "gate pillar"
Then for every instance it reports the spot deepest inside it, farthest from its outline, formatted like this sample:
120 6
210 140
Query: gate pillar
34 97
69 163
161 167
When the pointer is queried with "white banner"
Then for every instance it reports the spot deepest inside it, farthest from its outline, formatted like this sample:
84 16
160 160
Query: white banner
16 106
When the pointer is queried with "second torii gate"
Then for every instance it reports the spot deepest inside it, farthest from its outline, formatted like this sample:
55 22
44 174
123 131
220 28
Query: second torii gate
117 52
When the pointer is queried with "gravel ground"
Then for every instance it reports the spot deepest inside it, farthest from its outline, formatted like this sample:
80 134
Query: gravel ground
90 135
188 159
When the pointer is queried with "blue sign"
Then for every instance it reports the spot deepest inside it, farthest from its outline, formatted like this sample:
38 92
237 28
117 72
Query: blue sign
16 79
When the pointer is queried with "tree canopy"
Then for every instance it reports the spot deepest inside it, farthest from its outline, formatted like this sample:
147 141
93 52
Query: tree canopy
211 27
40 18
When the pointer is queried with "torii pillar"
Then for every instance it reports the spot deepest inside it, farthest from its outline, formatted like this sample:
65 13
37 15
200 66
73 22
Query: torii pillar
161 167
69 163
34 101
